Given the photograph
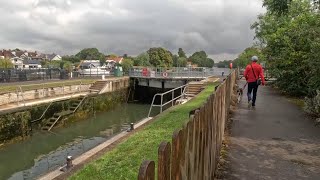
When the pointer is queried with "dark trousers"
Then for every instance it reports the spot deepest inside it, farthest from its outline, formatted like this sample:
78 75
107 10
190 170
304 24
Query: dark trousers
252 87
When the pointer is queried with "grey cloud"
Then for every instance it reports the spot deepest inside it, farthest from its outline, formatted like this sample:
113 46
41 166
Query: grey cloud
125 26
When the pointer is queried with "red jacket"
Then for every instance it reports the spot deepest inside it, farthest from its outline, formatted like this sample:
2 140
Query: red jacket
248 73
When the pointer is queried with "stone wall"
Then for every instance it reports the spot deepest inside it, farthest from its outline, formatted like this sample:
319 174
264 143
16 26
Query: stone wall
18 124
115 85
15 97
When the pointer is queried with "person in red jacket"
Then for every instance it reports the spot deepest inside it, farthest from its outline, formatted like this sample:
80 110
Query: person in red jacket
253 73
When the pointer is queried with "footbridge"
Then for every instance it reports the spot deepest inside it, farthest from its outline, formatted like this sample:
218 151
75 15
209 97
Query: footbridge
168 79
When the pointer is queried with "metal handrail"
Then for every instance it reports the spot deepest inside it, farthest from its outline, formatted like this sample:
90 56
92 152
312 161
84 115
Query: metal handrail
200 72
171 101
43 113
80 103
19 90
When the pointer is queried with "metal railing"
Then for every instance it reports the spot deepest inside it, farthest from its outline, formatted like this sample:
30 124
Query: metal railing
172 73
182 89
44 112
61 91
20 93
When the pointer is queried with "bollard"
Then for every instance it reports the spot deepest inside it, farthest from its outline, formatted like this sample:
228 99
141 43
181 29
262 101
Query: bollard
69 162
131 127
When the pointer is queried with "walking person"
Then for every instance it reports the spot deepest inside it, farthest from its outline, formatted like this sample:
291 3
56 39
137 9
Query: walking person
254 76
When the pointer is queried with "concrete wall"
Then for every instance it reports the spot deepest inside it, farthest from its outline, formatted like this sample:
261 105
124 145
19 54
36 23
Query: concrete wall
15 97
114 85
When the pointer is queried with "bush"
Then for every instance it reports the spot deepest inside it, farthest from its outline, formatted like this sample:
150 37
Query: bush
312 105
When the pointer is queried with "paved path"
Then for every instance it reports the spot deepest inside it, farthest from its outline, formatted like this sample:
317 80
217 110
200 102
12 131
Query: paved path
275 141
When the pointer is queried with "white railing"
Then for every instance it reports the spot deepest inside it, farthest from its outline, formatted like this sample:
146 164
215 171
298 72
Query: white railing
181 88
171 73
22 96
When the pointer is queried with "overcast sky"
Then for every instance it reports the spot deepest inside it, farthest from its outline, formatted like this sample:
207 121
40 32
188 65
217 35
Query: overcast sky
220 27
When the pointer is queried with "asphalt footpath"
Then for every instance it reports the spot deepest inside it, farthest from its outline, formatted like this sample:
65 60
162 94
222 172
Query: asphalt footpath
276 140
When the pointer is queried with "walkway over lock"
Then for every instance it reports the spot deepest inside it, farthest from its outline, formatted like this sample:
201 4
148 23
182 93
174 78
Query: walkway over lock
168 79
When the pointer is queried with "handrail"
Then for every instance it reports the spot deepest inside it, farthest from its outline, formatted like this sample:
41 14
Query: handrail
43 113
19 90
80 103
171 101
55 122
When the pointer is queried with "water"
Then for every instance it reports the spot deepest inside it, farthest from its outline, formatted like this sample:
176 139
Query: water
46 151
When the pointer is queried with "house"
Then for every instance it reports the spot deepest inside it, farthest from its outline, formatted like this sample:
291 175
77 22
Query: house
51 57
89 64
54 57
31 64
111 61
6 54
17 62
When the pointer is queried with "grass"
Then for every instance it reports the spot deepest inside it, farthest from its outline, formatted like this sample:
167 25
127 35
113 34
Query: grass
297 101
124 161
10 88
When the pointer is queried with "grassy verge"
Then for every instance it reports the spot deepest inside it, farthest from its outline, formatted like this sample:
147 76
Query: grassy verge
10 88
124 161
297 101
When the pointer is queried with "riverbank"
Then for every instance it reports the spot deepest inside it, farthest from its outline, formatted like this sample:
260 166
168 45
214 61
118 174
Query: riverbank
123 162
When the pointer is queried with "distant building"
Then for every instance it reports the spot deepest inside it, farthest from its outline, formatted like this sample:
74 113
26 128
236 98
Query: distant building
111 61
89 64
51 57
17 62
31 64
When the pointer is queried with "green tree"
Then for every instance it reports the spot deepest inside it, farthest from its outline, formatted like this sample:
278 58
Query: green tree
73 59
291 46
245 57
127 63
91 54
175 60
279 7
181 53
66 65
142 60
182 62
201 59
6 63
160 57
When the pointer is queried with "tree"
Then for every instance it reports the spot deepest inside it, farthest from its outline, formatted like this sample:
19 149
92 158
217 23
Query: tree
278 7
224 64
112 55
67 65
127 63
6 63
160 57
142 60
291 46
91 54
73 59
201 59
182 62
245 57
175 60
181 53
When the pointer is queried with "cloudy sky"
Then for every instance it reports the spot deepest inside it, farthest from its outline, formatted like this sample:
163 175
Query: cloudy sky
220 27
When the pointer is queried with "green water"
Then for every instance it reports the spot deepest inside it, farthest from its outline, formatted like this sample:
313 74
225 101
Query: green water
45 151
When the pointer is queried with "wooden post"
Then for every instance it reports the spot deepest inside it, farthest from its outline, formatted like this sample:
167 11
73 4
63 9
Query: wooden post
146 171
164 154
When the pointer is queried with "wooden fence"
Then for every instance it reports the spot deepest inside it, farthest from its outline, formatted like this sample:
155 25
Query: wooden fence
195 148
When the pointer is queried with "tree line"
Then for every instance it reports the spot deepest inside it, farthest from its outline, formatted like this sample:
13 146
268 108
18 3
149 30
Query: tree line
154 57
